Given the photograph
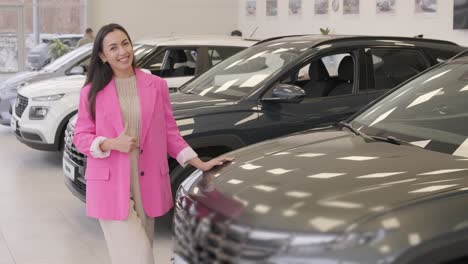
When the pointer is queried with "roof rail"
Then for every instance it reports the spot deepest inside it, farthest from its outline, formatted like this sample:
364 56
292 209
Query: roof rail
345 38
278 37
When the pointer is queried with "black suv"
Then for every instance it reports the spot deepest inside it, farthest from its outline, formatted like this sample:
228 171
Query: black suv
281 86
390 186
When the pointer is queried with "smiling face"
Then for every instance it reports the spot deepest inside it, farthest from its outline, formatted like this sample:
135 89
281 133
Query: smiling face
117 50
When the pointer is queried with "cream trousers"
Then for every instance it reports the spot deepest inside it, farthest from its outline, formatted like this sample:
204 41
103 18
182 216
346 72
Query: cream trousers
129 241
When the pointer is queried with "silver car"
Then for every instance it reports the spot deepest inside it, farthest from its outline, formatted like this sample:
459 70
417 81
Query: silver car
72 63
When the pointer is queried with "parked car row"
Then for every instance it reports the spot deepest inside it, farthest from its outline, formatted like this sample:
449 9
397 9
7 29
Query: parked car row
344 145
281 86
44 108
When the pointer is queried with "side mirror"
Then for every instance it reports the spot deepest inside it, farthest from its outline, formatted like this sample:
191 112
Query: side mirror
77 70
286 93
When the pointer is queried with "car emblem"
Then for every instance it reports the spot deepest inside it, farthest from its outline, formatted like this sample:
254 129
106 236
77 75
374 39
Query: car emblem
17 103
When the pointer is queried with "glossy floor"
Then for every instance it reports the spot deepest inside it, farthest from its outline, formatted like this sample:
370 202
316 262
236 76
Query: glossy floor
41 222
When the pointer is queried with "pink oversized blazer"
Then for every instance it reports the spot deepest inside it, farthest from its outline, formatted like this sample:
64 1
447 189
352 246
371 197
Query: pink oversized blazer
108 179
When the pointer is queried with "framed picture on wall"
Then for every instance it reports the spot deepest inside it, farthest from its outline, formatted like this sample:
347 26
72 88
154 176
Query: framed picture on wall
321 7
425 6
460 14
350 7
385 6
271 8
251 8
295 7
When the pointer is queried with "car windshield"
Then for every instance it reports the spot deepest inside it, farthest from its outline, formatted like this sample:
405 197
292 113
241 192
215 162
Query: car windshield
430 111
140 50
240 74
63 60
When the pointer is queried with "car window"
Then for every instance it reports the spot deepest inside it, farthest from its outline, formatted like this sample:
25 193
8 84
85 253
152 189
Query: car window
389 67
331 75
179 62
154 65
218 54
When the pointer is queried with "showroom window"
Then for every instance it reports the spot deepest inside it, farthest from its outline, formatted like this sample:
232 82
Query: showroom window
391 67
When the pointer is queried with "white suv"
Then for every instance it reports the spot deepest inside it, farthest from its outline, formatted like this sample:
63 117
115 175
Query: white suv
43 109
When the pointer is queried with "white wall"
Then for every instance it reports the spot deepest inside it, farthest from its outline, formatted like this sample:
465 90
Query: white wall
147 18
404 23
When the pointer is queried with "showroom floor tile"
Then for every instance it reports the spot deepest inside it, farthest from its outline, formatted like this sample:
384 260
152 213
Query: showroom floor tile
41 222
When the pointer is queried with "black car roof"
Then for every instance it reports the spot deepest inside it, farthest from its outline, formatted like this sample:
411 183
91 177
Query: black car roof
317 40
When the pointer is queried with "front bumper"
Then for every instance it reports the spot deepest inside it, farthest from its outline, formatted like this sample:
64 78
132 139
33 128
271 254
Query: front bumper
32 138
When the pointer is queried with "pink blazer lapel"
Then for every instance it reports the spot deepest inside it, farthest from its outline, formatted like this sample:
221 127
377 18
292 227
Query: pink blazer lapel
147 95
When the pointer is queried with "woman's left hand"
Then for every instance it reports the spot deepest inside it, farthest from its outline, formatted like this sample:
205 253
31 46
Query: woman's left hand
206 166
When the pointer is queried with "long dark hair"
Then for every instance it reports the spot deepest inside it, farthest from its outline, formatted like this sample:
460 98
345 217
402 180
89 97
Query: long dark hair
99 73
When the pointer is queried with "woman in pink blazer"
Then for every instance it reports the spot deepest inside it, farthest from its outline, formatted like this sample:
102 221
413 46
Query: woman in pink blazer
126 128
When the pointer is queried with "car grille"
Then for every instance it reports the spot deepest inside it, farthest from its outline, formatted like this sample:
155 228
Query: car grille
202 236
70 148
21 104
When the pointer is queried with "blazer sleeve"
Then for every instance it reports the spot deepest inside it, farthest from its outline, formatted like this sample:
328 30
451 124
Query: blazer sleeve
85 127
175 142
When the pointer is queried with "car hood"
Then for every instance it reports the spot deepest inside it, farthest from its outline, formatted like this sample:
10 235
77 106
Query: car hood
23 77
64 84
325 181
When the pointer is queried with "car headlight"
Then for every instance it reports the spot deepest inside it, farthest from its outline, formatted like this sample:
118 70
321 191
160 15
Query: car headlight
38 112
54 97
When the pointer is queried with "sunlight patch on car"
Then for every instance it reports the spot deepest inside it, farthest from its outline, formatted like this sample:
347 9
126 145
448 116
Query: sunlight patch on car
424 98
278 171
436 76
226 86
414 239
358 158
433 188
265 188
341 204
235 182
382 116
325 175
250 167
442 171
380 175
298 194
324 224
462 150
391 223
310 155
262 209
421 143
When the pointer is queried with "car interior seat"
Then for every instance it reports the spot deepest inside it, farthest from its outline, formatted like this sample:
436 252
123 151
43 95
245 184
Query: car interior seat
320 81
345 77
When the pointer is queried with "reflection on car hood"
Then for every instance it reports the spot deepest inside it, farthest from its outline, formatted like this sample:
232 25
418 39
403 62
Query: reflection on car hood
64 84
185 104
22 77
325 181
